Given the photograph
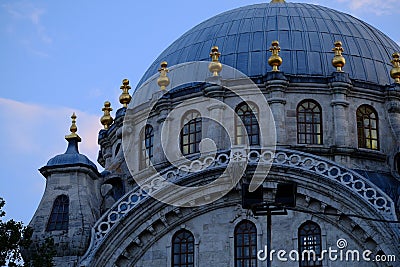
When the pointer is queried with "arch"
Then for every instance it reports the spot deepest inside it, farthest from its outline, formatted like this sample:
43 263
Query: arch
367 127
289 165
146 146
182 249
245 243
309 239
191 133
248 114
309 122
59 216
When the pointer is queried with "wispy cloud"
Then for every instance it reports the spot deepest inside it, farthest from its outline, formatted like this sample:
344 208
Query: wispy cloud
378 7
22 16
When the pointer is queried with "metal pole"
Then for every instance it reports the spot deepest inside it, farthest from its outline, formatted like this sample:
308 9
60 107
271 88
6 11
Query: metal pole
269 233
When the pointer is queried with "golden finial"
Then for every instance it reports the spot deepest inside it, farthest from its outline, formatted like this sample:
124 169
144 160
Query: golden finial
275 60
125 97
215 66
73 129
163 80
395 71
278 1
106 119
338 60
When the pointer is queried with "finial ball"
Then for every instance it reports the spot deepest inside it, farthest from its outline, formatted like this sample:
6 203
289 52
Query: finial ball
338 44
164 64
163 80
395 71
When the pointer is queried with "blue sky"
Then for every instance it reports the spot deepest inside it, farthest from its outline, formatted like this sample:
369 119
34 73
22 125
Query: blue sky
59 57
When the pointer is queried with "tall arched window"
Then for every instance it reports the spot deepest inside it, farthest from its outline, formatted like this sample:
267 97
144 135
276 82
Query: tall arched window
147 142
191 133
59 215
367 127
245 244
183 249
310 240
248 114
309 123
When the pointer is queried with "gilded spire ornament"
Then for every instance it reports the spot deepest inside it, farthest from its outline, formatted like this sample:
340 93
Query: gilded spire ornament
338 60
275 60
278 1
163 80
125 97
73 129
215 66
106 120
395 71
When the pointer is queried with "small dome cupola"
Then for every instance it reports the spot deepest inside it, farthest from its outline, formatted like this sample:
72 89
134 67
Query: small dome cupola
71 155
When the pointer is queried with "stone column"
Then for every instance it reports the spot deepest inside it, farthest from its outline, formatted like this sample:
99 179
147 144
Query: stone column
276 86
340 87
393 111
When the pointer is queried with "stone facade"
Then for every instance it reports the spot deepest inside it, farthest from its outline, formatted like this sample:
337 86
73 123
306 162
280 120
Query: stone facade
349 190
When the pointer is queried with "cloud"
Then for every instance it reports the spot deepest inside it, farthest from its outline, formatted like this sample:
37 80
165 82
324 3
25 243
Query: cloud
378 7
29 129
27 12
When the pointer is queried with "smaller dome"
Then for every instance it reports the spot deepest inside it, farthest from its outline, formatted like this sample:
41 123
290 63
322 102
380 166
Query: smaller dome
71 157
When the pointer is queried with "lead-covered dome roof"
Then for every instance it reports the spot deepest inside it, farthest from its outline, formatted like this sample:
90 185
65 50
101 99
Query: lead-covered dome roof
71 157
306 34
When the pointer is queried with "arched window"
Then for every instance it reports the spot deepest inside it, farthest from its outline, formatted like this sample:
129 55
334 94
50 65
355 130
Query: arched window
309 123
367 127
191 133
59 214
183 249
146 146
310 240
245 244
248 114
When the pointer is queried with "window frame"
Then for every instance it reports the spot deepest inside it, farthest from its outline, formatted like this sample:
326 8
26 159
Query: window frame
251 232
186 238
308 129
146 146
59 215
317 247
362 138
191 133
250 112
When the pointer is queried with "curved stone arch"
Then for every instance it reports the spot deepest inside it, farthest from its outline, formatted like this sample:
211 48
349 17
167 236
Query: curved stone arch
298 162
120 249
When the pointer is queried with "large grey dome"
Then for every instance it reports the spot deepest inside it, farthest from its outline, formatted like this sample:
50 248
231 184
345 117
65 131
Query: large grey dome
306 34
